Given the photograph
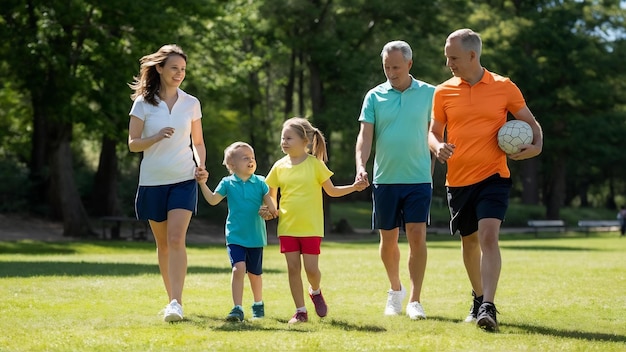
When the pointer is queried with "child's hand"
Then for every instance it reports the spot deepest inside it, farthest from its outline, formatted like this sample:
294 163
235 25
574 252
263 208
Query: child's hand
361 184
202 175
266 213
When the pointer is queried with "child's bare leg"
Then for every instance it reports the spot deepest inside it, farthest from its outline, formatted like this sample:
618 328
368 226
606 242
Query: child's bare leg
311 267
295 279
256 284
236 282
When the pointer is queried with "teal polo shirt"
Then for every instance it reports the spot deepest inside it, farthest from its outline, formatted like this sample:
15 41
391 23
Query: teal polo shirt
400 122
244 225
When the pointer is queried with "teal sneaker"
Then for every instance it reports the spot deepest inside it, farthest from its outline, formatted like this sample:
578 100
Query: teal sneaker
258 311
235 315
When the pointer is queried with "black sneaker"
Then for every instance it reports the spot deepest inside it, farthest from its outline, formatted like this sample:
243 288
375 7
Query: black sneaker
487 317
473 313
235 315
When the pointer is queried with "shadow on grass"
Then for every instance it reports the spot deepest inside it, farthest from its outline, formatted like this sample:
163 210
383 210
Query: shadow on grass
344 325
573 334
73 247
251 325
542 330
50 268
551 248
247 325
36 247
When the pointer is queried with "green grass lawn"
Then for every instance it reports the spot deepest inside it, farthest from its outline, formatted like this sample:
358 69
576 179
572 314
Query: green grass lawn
555 294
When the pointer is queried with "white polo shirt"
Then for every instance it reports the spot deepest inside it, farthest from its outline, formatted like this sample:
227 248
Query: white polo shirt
171 159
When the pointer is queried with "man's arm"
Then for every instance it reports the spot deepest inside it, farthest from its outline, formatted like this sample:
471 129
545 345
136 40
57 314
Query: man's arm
438 147
363 150
528 151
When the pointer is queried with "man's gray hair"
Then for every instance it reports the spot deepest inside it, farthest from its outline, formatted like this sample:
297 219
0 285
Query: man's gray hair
403 46
470 40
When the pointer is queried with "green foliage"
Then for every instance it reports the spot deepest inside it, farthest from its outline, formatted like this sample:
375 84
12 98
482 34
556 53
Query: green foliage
254 63
105 296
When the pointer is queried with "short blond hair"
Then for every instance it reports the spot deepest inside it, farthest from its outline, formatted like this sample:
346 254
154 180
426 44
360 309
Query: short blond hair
231 150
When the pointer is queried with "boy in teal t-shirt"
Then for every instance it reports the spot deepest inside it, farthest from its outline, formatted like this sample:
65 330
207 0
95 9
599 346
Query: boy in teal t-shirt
246 234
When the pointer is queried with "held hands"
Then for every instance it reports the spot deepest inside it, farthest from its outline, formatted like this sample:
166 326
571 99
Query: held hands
202 175
361 182
360 179
268 214
444 151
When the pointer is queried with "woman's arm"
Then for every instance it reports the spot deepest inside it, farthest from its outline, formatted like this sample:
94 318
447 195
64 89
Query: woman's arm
135 129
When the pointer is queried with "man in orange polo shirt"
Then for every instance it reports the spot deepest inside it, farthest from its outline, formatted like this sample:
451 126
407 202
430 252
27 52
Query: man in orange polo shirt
471 107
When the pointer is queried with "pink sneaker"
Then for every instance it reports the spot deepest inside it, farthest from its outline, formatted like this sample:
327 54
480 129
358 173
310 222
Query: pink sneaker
320 305
299 317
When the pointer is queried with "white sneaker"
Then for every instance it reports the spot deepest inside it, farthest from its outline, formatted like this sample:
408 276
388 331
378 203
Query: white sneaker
173 312
415 311
394 301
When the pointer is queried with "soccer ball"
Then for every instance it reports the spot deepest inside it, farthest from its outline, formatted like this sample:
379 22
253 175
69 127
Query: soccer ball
512 134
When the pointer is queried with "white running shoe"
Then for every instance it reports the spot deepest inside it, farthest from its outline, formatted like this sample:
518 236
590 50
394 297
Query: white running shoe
394 301
173 312
415 311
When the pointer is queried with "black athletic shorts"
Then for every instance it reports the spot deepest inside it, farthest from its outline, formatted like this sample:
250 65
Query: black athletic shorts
486 199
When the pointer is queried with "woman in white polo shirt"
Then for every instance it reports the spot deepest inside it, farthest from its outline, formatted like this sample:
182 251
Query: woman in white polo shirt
165 125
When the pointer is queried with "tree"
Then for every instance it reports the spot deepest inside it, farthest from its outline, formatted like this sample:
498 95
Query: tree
63 50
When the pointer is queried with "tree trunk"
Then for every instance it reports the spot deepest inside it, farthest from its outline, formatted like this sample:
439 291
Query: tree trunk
290 86
63 193
530 183
582 193
104 199
556 193
38 167
301 95
317 102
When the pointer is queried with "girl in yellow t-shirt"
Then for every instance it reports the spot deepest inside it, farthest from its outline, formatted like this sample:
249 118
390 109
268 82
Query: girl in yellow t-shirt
301 177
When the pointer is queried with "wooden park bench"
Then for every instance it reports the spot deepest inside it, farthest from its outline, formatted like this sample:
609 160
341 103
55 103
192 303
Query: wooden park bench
546 225
599 225
139 228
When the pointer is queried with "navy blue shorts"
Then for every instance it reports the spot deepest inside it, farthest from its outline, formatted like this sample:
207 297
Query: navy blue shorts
487 199
154 202
253 257
397 205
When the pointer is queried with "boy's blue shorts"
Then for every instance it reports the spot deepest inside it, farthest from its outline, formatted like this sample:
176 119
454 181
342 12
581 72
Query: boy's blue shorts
154 202
398 204
253 257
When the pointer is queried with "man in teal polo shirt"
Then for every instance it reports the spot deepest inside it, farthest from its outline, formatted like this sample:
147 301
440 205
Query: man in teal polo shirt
396 115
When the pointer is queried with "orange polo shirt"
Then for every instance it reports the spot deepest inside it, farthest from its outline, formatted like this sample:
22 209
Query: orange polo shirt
472 116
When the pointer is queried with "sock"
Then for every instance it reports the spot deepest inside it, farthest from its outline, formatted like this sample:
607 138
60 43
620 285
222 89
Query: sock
238 306
315 292
301 310
259 303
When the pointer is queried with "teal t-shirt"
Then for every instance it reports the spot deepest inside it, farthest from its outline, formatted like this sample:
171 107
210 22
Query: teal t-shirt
244 225
400 122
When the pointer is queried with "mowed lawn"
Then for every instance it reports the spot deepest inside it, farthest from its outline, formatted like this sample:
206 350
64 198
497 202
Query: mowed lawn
555 294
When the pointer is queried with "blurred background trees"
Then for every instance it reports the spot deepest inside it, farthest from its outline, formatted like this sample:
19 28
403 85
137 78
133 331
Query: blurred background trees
64 99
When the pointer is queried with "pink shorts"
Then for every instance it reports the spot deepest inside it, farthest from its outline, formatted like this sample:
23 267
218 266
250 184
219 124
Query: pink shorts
304 245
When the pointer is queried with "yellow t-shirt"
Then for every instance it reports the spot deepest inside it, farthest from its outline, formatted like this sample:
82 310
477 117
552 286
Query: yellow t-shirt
300 204
472 116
